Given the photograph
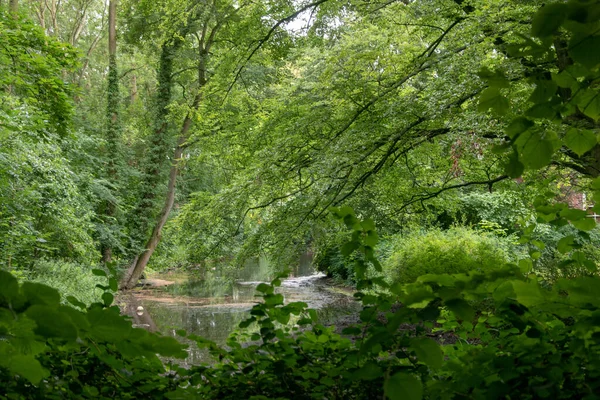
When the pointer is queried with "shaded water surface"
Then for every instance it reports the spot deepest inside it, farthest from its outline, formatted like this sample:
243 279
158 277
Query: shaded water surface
214 308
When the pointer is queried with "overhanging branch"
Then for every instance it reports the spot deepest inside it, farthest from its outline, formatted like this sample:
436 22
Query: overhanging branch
429 196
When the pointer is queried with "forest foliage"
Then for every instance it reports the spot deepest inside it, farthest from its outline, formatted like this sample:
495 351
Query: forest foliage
466 131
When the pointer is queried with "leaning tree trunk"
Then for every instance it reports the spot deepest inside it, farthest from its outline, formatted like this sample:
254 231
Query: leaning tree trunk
139 264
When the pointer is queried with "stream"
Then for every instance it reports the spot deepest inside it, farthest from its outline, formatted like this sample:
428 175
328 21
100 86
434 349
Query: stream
213 307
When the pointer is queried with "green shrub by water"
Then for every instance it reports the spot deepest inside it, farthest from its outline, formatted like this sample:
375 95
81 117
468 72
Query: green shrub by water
457 250
70 279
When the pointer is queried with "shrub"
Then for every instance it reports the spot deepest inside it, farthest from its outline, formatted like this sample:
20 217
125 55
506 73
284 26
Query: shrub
552 263
71 279
457 250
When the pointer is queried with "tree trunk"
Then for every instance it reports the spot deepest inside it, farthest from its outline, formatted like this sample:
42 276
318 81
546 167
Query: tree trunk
158 153
112 28
13 6
137 268
134 90
113 128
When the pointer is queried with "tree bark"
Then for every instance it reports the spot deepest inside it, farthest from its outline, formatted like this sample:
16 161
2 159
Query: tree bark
112 28
134 90
13 6
112 108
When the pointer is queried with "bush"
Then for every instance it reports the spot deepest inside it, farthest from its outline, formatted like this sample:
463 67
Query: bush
70 279
552 264
457 250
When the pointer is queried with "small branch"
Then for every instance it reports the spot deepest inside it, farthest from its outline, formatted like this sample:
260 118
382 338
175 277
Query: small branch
262 41
445 189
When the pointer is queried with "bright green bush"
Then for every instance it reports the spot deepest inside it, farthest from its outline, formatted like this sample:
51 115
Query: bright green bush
457 250
70 279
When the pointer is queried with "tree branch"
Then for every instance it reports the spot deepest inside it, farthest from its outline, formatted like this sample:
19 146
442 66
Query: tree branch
445 189
262 41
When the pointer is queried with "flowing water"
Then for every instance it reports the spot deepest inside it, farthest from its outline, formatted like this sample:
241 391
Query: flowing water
213 307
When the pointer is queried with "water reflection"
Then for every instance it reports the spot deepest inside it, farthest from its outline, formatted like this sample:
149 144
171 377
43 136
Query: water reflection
215 317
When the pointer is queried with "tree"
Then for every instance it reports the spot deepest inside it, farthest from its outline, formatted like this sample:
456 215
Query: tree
368 120
208 24
113 122
44 213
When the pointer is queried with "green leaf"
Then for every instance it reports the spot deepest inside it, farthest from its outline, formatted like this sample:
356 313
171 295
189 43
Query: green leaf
539 244
403 386
501 148
548 19
77 317
518 126
573 214
368 372
514 168
264 288
282 318
344 211
580 140
495 79
491 98
169 347
461 309
108 324
525 265
274 299
428 352
528 293
542 111
544 90
73 300
113 284
349 247
52 323
37 293
589 103
9 286
418 298
565 80
580 257
378 268
584 50
565 244
534 151
98 272
371 239
586 224
107 298
246 323
368 225
27 367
